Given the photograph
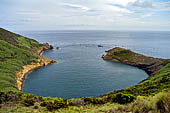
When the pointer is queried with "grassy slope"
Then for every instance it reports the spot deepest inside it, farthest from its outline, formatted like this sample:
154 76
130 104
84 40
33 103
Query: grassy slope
15 51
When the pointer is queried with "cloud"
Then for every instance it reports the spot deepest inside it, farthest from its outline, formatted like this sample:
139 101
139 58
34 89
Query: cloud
106 14
146 15
75 6
29 12
120 2
142 4
162 6
118 9
75 25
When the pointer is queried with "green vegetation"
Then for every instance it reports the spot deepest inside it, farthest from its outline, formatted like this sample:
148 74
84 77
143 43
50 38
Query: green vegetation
27 43
15 51
166 62
54 103
28 100
8 36
160 103
124 54
93 100
122 98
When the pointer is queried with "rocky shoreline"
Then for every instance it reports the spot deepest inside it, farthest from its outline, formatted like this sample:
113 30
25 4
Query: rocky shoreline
149 64
42 61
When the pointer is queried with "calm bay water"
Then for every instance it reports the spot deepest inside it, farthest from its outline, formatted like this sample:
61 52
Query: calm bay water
80 70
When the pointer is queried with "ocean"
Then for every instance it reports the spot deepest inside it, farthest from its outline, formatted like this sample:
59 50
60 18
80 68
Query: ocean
80 71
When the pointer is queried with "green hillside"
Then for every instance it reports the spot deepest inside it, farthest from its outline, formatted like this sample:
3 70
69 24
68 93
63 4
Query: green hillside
15 51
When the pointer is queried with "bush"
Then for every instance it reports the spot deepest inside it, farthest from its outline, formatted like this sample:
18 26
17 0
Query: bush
52 104
36 107
28 99
2 99
123 98
163 102
166 62
142 105
93 100
159 103
29 102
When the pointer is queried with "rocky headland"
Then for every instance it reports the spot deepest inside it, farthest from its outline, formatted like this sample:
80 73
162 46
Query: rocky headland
42 61
149 64
42 48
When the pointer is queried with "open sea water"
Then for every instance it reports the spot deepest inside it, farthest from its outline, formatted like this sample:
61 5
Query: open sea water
80 71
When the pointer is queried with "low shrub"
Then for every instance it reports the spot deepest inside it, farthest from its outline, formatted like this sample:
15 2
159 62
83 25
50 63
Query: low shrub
123 98
159 103
28 99
94 100
162 102
2 99
36 107
166 62
141 105
53 104
29 102
76 102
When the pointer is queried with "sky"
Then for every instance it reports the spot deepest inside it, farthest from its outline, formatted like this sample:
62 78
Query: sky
85 14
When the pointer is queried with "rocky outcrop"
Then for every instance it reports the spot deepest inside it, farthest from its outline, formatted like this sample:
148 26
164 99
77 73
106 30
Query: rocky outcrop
42 48
149 64
42 61
57 48
99 46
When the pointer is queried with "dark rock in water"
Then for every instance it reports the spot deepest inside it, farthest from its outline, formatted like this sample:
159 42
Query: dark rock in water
99 45
51 47
57 48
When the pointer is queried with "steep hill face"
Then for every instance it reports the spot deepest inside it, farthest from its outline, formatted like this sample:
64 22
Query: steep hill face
15 52
18 40
8 36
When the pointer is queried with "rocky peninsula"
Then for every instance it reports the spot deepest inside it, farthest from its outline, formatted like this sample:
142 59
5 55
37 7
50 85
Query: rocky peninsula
149 64
42 61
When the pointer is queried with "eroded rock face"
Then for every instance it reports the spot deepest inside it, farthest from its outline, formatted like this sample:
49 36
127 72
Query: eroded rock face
42 61
42 48
149 64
